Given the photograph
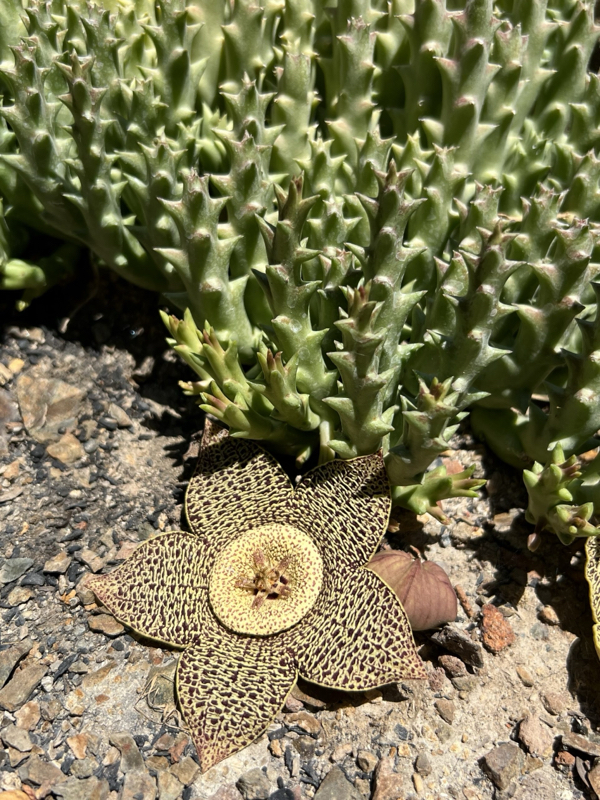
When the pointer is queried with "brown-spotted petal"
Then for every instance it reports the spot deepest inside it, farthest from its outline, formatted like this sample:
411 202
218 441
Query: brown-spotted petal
237 486
230 688
592 573
345 506
161 590
357 635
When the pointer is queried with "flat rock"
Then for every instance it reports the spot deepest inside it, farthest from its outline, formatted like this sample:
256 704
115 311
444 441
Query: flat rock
11 569
84 768
131 758
138 786
78 744
19 595
335 786
28 716
460 644
186 770
169 788
367 760
496 632
576 742
304 721
91 559
17 691
88 789
554 703
593 777
58 564
47 406
535 736
446 709
121 417
453 666
254 785
17 738
503 764
41 772
389 785
106 624
10 657
226 793
67 450
525 676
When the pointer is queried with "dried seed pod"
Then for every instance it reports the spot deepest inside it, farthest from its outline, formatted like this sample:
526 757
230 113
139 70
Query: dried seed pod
423 587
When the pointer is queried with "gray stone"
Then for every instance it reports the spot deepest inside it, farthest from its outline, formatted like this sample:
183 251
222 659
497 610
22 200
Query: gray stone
68 449
10 657
186 770
17 691
120 416
48 406
89 789
58 564
576 742
12 568
503 764
460 644
84 767
446 710
17 738
335 786
41 772
138 786
131 758
389 785
169 788
423 764
254 785
535 736
366 760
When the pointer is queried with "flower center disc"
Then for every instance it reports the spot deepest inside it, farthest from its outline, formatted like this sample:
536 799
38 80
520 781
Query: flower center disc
266 580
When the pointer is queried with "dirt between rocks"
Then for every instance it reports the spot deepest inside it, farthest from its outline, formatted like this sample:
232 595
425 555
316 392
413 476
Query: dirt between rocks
88 711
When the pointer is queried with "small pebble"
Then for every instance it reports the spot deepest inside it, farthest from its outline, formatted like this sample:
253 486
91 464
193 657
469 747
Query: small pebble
525 676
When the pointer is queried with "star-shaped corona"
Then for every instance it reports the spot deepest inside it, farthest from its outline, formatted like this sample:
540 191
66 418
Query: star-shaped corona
270 585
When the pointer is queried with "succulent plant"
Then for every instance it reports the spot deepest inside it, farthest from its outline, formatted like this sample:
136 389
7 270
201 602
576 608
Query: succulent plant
270 584
376 217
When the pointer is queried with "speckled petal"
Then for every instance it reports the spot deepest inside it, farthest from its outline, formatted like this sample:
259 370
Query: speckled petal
357 635
592 573
161 591
345 506
230 688
237 486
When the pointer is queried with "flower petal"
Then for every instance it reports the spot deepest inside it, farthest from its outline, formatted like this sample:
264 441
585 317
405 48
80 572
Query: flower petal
356 637
161 591
345 506
592 573
237 486
230 687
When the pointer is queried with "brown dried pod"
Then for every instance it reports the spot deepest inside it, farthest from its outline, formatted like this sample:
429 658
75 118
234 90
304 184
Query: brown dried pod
423 587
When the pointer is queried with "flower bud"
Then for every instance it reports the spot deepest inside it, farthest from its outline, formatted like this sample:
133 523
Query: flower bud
422 587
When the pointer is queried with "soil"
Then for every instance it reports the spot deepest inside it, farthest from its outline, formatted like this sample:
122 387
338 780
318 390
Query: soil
512 684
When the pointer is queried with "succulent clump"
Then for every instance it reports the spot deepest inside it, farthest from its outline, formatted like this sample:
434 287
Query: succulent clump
266 580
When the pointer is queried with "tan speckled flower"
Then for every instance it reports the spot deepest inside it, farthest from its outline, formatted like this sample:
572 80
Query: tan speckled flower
271 584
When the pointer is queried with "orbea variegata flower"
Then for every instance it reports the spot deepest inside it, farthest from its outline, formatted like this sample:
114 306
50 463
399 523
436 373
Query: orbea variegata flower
269 585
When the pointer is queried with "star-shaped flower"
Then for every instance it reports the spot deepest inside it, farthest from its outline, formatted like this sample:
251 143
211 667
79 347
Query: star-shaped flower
270 585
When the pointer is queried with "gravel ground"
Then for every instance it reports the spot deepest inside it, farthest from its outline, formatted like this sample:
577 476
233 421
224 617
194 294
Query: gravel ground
96 446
